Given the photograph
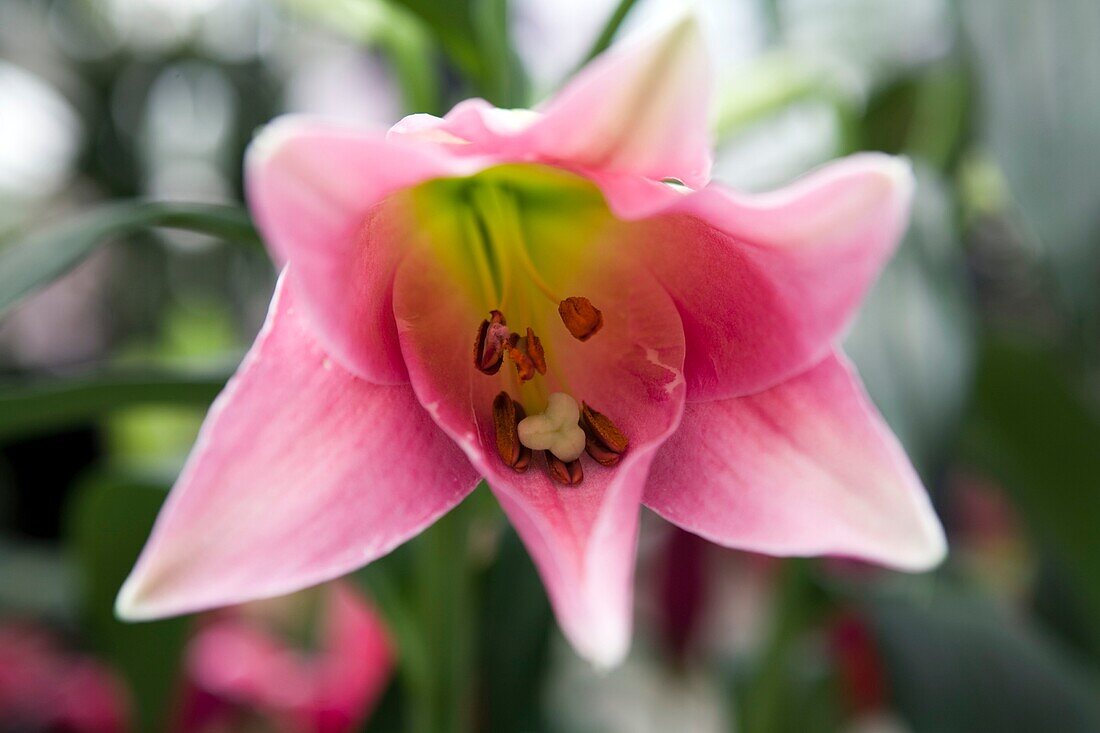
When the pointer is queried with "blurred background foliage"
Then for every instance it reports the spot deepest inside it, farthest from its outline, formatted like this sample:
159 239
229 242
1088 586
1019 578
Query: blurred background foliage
131 281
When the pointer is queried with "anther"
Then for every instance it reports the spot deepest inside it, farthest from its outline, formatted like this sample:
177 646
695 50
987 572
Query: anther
524 366
506 416
535 352
604 442
569 474
492 337
581 317
527 354
599 454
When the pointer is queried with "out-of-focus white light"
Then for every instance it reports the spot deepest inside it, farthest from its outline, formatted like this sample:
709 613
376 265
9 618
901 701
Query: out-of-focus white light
345 84
780 148
39 135
874 39
157 24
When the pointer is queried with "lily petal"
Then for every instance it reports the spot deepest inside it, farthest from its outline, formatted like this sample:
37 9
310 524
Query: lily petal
640 108
316 191
765 284
582 538
301 473
806 468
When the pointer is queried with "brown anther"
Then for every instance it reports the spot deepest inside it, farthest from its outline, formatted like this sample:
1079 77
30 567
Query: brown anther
506 416
489 346
600 454
581 317
517 351
535 352
568 474
603 440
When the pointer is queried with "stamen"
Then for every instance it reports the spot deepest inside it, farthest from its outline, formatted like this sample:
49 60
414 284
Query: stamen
599 454
525 367
604 442
489 346
507 208
507 414
581 317
534 350
569 474
527 353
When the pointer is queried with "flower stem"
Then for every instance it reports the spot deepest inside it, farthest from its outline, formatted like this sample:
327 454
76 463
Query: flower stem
425 592
798 606
444 602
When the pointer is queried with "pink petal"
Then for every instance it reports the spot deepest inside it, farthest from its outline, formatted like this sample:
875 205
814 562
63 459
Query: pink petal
641 108
806 468
333 689
301 473
638 111
316 191
582 538
765 284
357 662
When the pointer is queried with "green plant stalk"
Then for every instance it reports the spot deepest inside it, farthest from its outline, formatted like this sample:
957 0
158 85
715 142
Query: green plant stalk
798 606
444 599
425 592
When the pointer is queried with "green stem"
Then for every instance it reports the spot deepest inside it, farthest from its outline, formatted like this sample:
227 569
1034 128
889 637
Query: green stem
444 599
425 591
797 606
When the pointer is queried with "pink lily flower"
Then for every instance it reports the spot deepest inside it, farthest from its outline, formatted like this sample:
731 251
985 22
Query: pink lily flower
239 669
693 328
45 687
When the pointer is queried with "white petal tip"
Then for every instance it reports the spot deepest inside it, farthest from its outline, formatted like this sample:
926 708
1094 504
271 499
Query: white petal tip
925 553
127 605
606 654
272 137
603 642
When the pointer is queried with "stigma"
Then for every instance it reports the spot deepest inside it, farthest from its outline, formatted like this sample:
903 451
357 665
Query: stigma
557 430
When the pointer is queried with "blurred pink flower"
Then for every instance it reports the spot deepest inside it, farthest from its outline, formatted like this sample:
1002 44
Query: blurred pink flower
240 669
697 331
44 687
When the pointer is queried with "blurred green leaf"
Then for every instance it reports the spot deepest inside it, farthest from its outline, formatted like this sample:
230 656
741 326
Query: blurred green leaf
1031 430
109 522
515 636
475 34
1038 68
39 405
963 665
785 691
914 338
610 28
36 259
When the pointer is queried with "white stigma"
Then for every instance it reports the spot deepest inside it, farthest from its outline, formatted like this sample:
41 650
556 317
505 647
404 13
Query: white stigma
555 430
